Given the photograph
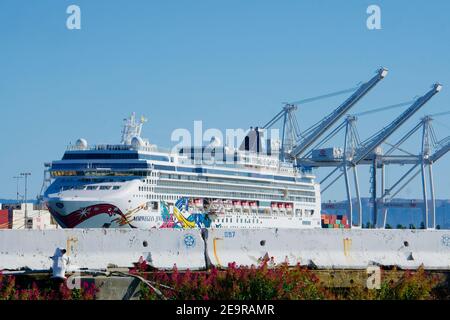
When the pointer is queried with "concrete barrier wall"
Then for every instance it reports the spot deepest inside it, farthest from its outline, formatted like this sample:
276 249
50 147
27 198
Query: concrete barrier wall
100 248
331 248
162 248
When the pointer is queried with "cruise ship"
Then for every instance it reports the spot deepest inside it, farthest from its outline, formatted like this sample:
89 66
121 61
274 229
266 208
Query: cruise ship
135 184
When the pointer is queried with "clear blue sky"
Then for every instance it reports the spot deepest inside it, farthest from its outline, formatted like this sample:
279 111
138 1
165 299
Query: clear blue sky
229 63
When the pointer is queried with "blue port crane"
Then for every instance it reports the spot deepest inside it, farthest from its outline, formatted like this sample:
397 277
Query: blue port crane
432 150
356 152
316 131
294 142
377 139
298 146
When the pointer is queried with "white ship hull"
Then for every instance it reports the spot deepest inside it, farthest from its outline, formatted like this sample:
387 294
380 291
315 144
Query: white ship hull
119 209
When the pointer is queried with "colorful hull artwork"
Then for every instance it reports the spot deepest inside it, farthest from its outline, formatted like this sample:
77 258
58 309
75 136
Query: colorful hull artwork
181 217
79 216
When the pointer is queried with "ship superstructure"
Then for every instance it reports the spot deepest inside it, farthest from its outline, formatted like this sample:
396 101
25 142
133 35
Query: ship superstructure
136 184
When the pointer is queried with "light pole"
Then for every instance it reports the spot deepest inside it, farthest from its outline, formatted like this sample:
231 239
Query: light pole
26 174
17 187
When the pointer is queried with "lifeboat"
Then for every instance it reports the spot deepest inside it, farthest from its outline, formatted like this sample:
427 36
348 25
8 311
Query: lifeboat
227 203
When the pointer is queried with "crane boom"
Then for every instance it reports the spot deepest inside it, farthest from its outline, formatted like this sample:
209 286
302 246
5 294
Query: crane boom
333 117
441 152
384 133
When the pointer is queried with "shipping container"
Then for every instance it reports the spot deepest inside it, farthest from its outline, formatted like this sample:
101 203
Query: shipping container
4 219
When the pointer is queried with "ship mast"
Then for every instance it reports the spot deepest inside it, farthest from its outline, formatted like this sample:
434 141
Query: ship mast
132 128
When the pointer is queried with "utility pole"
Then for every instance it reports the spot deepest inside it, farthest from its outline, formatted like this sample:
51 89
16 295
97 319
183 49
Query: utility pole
26 174
17 187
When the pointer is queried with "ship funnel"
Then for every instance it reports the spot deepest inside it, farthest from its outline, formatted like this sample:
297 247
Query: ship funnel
253 141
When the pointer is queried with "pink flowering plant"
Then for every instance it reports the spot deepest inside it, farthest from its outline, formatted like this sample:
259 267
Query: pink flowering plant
10 289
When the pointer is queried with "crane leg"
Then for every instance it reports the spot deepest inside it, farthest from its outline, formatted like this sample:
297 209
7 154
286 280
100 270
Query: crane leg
358 196
382 187
374 193
433 199
425 202
349 195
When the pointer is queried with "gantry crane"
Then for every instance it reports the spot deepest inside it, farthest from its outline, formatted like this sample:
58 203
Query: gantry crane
424 160
429 143
316 131
294 143
356 152
298 147
376 140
